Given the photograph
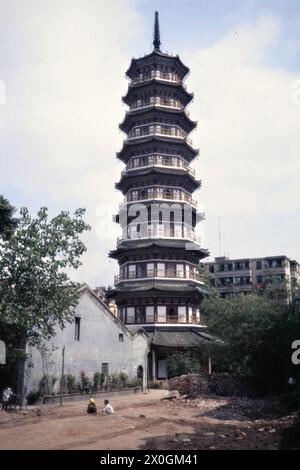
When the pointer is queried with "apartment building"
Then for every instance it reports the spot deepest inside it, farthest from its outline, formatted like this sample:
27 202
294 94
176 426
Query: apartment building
245 275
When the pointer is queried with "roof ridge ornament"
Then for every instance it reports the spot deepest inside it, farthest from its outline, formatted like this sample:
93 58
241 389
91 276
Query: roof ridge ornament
156 36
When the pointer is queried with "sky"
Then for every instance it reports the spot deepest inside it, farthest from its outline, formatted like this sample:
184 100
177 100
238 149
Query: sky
62 76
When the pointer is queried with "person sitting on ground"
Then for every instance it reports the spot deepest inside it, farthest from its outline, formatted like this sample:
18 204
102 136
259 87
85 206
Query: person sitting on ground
92 408
108 409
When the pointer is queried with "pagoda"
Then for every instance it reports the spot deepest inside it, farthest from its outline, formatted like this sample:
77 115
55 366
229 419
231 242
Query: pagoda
159 287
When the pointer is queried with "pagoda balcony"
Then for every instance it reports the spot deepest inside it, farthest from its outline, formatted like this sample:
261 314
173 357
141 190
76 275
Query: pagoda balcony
160 195
159 131
160 274
157 234
157 75
158 101
158 161
168 320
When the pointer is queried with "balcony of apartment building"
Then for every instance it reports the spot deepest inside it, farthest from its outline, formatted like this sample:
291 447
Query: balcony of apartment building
169 131
277 265
157 229
159 193
161 314
144 271
234 284
154 160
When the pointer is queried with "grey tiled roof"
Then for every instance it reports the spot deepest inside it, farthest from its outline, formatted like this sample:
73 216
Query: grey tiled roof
183 339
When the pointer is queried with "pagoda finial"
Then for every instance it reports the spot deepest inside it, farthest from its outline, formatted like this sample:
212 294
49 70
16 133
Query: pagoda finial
156 38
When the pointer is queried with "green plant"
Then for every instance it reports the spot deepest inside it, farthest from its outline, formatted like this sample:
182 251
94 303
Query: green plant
156 384
181 364
70 383
98 380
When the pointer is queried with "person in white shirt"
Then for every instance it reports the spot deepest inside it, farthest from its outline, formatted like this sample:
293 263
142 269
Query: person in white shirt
108 409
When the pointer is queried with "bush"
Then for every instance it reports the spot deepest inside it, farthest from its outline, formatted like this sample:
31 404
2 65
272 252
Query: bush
85 383
70 383
33 397
182 364
156 384
46 385
98 380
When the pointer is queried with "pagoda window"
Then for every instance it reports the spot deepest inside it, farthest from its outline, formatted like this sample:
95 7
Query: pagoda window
161 271
190 314
150 230
130 315
150 314
152 100
187 271
140 315
198 315
161 313
134 196
137 132
179 270
176 194
170 268
150 269
177 231
144 194
150 160
132 271
174 161
159 193
182 314
160 231
136 162
133 233
159 159
138 103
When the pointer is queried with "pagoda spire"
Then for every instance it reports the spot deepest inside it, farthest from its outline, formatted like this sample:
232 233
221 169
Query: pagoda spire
156 36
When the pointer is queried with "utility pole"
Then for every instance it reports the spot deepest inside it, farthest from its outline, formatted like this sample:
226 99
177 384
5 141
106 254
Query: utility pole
62 375
220 246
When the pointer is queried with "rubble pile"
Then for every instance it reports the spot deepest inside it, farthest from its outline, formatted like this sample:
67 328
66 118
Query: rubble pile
194 385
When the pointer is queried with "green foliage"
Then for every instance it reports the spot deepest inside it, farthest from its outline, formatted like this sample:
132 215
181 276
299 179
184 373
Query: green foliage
98 380
36 292
156 384
8 223
255 336
46 385
70 383
118 380
181 364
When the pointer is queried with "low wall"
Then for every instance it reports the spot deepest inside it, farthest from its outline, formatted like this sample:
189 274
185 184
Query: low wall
220 384
49 399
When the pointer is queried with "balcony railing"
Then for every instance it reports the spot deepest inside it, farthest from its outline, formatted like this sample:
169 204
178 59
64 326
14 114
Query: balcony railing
159 274
174 320
158 161
158 130
158 234
157 74
182 197
157 101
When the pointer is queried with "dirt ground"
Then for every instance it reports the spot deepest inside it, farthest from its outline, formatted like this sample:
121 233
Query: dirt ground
145 421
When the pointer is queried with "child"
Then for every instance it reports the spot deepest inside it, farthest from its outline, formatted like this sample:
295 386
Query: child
108 409
92 409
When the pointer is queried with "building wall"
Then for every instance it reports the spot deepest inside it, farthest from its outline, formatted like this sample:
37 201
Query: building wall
258 272
99 343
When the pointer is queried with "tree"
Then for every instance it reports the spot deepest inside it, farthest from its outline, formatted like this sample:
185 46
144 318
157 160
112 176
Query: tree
36 292
182 363
8 223
255 336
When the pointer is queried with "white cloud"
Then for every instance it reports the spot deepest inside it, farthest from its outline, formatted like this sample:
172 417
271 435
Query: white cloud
63 65
249 138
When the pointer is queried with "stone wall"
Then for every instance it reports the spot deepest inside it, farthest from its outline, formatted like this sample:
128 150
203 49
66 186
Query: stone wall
194 385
